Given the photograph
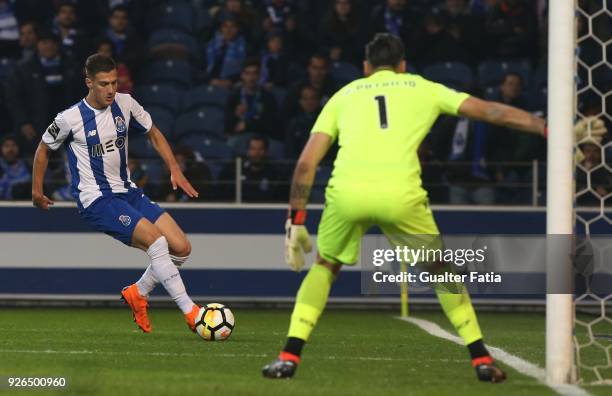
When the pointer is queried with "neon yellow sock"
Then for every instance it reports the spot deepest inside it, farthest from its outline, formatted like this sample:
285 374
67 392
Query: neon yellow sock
310 301
459 310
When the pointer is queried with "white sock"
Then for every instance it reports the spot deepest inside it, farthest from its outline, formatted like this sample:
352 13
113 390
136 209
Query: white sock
178 261
147 282
168 274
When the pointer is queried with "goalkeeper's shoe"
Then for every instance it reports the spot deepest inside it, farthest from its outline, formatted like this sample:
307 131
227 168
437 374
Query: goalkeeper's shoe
487 371
191 317
283 367
131 296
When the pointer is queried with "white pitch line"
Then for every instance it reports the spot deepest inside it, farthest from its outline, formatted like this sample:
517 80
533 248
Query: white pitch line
522 366
184 354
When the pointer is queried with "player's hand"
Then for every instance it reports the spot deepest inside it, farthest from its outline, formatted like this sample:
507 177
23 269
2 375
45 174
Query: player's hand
179 180
588 130
591 128
297 242
41 201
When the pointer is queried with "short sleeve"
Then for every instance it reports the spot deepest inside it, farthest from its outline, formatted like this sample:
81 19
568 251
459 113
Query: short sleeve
140 119
56 133
449 100
327 122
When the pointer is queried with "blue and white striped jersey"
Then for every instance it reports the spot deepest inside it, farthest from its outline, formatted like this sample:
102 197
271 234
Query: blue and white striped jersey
96 144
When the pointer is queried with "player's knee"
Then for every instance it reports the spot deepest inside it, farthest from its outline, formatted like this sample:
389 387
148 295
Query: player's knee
183 248
334 268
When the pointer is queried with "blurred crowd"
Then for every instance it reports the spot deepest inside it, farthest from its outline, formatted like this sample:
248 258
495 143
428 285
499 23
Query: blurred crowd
227 79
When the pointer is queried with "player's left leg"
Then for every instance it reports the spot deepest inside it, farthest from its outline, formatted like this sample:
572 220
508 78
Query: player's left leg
178 244
178 247
416 228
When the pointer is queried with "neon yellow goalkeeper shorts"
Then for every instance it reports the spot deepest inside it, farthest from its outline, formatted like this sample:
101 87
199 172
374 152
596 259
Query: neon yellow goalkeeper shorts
350 212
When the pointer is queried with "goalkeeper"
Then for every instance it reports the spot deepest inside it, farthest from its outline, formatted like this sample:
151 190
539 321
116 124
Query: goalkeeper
379 122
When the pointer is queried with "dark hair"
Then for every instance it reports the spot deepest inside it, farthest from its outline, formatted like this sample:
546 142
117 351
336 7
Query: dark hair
119 7
251 62
509 74
385 50
333 24
105 41
47 34
319 55
261 138
67 3
9 137
310 88
97 63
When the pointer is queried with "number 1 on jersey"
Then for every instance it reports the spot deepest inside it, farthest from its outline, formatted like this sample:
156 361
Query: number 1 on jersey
382 111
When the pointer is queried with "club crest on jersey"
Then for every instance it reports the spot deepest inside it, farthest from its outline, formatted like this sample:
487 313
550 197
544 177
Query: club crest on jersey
125 220
120 124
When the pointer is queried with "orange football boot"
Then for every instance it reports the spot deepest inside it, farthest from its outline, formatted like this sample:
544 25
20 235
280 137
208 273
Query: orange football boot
131 296
191 317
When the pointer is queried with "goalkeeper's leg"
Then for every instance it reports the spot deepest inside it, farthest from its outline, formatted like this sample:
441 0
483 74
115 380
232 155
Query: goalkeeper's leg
458 308
310 302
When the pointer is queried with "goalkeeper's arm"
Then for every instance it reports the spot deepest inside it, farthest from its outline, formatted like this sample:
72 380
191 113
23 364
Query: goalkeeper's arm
297 240
502 115
304 173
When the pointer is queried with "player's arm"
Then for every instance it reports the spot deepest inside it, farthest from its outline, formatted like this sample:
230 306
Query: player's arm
304 173
297 240
41 161
177 178
502 115
54 136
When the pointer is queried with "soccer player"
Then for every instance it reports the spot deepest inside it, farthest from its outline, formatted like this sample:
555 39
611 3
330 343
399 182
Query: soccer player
379 122
94 133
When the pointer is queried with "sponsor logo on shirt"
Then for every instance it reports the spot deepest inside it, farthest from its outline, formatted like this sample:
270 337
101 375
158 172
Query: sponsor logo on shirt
98 150
91 133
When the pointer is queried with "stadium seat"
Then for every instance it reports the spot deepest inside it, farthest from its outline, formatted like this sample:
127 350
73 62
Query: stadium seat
205 119
205 95
175 37
490 72
173 14
411 69
162 118
172 71
280 94
203 22
207 145
344 72
140 147
162 95
6 68
456 75
296 71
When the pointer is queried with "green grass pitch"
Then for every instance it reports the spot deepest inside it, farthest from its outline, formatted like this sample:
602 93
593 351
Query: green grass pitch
351 353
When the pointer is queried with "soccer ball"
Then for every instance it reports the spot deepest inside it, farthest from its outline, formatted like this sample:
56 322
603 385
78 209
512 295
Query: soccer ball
215 322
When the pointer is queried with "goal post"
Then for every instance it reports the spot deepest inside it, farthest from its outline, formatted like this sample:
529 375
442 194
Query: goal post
560 188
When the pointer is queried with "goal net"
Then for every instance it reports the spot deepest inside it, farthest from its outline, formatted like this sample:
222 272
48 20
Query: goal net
593 192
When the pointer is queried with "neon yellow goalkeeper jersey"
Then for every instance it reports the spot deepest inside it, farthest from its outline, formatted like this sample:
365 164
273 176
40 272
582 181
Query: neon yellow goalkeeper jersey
379 122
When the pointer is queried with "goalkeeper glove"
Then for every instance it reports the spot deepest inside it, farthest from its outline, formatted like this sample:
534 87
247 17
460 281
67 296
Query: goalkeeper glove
297 240
588 130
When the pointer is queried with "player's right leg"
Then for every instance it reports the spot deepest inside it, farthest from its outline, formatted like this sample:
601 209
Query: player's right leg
338 241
